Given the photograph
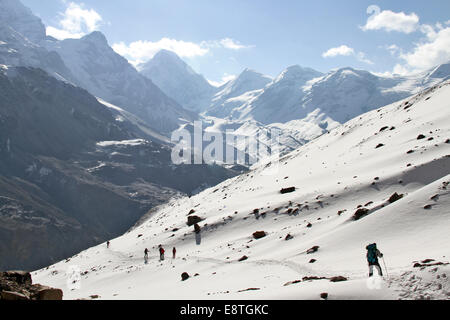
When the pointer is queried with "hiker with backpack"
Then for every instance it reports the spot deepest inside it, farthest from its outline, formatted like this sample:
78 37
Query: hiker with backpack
161 253
372 258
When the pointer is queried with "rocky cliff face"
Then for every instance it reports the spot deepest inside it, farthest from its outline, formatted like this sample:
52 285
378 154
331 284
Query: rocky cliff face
176 79
106 74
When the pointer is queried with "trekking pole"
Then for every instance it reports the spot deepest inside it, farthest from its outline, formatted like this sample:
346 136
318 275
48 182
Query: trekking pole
387 273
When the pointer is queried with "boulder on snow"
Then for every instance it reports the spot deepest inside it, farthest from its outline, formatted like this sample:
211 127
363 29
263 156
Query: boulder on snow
379 145
312 260
197 228
20 277
338 279
259 234
184 276
287 190
243 258
361 212
395 197
13 296
420 137
312 250
288 237
47 293
191 212
191 220
324 295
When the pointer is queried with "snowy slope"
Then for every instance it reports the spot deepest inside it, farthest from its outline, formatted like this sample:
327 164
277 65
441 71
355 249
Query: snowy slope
178 80
359 164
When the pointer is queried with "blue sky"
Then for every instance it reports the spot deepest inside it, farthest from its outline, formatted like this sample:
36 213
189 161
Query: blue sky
221 38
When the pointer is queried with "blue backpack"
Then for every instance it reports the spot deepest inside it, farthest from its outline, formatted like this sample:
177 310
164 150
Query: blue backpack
372 253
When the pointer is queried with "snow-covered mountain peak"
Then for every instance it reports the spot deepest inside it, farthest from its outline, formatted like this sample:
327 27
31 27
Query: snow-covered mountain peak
178 80
441 71
15 15
97 38
297 73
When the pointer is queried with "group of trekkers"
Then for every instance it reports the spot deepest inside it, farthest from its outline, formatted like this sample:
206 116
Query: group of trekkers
372 256
161 253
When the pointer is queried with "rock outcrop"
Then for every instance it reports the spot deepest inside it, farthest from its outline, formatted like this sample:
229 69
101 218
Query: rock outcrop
18 285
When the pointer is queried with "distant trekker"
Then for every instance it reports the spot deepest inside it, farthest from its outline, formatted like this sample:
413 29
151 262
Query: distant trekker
146 255
372 258
107 244
161 253
174 252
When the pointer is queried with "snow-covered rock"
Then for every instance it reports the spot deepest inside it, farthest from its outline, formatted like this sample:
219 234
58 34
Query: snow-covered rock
15 15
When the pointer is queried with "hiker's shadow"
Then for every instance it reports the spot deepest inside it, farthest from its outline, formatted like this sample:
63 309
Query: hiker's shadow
198 238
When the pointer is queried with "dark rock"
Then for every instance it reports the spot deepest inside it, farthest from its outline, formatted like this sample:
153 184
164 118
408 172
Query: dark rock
427 260
197 228
379 145
360 213
420 137
311 278
309 225
287 190
324 295
428 207
184 276
312 260
410 151
288 237
193 220
259 234
191 212
291 282
20 277
13 296
249 289
338 279
243 258
384 128
312 250
395 197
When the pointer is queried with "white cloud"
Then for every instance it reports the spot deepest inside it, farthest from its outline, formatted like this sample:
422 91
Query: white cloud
227 43
390 21
141 51
361 56
346 51
226 77
433 51
75 22
339 51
